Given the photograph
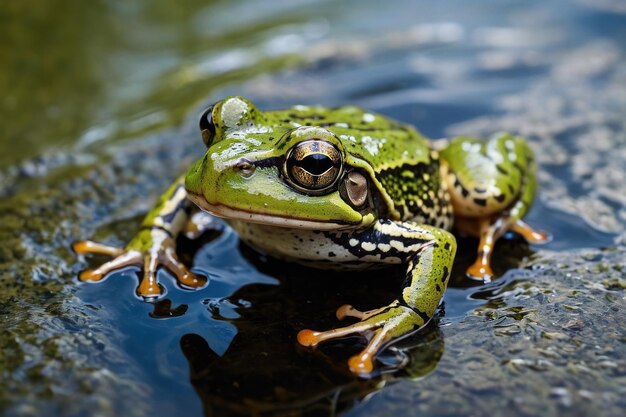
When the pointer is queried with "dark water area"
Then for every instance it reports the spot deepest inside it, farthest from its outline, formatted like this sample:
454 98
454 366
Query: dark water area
101 115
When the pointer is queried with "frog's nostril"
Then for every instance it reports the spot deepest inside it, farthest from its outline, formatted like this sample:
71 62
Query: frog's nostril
245 168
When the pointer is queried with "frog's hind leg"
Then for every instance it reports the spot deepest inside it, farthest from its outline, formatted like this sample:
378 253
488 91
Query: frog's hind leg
492 185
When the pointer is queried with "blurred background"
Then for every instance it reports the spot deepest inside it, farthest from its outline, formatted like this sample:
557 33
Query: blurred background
100 101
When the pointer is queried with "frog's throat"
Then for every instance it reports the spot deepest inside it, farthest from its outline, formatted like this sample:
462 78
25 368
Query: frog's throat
230 213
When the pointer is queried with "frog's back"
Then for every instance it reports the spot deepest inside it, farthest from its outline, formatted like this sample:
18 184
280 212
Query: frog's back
404 167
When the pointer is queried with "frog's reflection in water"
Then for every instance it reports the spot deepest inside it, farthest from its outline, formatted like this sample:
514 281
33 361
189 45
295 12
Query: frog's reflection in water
238 384
265 371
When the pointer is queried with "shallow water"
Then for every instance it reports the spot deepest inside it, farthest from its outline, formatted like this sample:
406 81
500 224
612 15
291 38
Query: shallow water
104 116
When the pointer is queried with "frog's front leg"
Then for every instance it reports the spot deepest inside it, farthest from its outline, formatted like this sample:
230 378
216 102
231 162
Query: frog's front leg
429 252
492 185
153 246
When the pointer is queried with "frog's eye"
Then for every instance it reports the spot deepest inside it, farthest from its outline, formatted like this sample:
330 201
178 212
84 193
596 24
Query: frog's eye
207 127
313 166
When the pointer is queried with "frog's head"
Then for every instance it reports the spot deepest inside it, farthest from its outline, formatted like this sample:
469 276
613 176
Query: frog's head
260 168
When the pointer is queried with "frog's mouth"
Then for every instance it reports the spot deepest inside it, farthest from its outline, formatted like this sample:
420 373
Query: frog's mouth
230 213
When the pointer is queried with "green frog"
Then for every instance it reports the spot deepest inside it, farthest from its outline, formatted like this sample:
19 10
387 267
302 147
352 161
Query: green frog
341 188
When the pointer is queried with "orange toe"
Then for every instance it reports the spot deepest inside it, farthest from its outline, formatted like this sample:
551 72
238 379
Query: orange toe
343 311
90 275
361 364
193 280
308 337
82 246
480 271
149 289
538 237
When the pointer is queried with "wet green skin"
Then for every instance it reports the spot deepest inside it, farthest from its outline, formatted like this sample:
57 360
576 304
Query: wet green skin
410 195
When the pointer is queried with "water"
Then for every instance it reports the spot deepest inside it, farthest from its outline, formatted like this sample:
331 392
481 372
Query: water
115 89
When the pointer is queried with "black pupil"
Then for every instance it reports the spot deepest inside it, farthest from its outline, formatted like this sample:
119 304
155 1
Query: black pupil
316 163
206 120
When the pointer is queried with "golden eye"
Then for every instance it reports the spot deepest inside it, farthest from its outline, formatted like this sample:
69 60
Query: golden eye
313 165
207 127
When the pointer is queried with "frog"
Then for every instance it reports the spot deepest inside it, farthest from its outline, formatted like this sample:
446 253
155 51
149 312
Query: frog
339 188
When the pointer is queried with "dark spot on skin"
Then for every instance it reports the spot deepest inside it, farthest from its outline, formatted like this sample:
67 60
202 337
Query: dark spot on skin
438 288
464 192
480 201
416 326
446 246
502 170
331 254
480 190
445 274
304 117
349 126
500 198
416 310
163 229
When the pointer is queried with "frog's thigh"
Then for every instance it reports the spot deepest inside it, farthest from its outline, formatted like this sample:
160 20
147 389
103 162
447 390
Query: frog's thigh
486 177
492 185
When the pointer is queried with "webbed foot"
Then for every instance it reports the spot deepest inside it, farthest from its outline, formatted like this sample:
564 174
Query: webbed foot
149 250
378 326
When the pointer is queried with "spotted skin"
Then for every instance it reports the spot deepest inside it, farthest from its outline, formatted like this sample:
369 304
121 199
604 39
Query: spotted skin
418 193
492 186
486 177
340 188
